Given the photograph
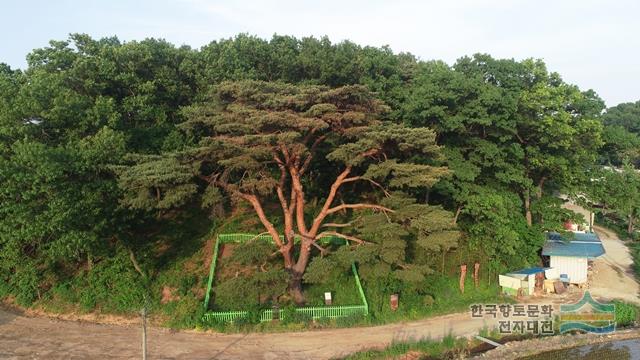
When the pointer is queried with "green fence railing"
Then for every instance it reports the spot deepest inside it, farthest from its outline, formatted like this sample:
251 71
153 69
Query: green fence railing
317 312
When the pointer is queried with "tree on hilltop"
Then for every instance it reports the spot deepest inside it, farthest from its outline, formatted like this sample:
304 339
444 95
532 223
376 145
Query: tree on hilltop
260 141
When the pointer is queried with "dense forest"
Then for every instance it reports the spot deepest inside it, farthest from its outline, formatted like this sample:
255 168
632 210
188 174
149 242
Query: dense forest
120 161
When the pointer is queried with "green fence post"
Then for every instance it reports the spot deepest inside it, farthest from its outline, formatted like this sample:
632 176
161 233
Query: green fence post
360 289
211 273
267 315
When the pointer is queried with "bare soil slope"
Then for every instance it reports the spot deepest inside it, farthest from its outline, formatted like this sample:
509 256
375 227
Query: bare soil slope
613 276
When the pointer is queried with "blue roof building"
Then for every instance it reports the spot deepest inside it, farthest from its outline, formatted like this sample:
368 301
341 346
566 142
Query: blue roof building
570 254
579 245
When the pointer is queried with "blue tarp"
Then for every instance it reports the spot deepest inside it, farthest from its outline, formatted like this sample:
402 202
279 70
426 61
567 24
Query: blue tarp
586 245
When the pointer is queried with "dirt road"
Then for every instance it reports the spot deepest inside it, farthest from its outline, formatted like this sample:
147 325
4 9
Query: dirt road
44 338
613 276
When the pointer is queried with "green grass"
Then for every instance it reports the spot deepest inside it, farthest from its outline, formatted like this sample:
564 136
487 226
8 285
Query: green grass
445 299
426 347
343 292
442 297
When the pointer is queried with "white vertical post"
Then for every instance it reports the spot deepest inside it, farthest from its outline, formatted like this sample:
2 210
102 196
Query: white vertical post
144 332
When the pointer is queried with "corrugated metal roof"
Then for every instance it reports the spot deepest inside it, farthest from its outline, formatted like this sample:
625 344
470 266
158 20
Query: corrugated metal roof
580 245
574 237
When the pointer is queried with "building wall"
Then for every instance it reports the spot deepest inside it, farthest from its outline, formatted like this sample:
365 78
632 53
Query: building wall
574 267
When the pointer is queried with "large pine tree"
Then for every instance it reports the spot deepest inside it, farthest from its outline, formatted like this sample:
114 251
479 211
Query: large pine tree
260 141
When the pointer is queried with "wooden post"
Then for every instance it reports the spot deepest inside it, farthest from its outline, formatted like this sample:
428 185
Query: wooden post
394 302
143 313
476 274
463 274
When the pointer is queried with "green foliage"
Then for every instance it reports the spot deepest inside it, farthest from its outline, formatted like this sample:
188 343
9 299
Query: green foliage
185 313
342 287
397 244
427 348
155 182
105 144
626 314
625 115
291 316
512 132
111 286
436 295
500 230
250 278
618 191
247 292
620 145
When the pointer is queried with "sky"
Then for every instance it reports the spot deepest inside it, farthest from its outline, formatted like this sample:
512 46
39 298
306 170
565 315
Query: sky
591 43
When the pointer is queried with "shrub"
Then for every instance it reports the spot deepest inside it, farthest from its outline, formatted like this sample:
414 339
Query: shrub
186 313
291 316
428 300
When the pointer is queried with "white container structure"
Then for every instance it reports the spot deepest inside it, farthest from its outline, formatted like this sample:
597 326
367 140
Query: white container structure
570 254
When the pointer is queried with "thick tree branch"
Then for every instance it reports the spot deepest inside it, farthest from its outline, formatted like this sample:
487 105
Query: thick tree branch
327 204
357 206
299 196
280 189
374 183
253 200
323 251
338 225
347 237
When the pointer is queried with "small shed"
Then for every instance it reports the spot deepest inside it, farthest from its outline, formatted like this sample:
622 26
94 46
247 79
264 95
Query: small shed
521 281
570 254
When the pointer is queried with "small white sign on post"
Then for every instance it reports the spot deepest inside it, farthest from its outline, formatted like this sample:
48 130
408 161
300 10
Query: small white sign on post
327 298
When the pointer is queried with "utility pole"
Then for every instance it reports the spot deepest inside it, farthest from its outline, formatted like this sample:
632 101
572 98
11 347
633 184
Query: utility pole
143 313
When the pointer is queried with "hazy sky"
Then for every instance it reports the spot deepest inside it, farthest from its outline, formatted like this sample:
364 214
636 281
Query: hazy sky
594 44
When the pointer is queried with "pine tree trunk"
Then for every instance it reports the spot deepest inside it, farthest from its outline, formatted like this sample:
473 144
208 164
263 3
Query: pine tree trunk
295 284
295 289
630 225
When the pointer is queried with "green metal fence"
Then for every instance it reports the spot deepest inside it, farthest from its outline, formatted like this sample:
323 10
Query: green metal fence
268 315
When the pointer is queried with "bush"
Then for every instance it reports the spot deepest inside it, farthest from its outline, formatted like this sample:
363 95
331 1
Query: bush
112 285
291 316
186 313
428 300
